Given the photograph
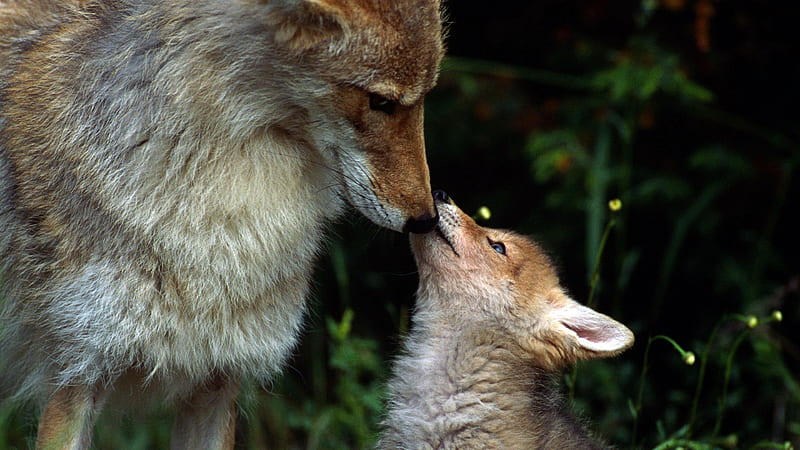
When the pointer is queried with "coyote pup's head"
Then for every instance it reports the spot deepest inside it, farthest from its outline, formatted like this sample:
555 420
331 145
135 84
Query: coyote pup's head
367 65
504 281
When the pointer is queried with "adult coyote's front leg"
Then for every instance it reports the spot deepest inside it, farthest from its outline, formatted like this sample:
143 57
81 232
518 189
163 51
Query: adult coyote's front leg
207 419
67 419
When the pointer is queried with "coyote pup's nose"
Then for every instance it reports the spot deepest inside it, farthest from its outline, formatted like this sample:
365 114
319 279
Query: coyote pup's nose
441 196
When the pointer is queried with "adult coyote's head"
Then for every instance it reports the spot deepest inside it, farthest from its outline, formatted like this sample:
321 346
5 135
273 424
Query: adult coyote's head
367 65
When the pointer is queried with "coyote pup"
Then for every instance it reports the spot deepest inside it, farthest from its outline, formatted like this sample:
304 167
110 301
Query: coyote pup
491 329
167 168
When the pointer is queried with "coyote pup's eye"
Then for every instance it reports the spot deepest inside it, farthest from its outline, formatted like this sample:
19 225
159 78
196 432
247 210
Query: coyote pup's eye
499 247
381 103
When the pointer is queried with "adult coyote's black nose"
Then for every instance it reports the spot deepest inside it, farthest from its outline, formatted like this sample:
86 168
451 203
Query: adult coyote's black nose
426 223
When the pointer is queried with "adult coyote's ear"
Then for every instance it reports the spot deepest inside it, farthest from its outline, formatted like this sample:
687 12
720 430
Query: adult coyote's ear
301 24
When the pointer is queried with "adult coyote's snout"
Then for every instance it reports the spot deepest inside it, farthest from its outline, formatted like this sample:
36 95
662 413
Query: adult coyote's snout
167 169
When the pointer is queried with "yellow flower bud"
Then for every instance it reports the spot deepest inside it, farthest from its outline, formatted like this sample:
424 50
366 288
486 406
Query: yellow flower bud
752 321
484 213
688 358
731 441
777 315
615 204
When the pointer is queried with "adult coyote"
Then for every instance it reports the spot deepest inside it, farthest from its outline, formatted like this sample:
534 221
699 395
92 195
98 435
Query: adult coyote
167 169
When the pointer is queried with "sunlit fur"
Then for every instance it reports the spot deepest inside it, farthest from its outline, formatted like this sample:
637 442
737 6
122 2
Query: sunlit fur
490 333
167 169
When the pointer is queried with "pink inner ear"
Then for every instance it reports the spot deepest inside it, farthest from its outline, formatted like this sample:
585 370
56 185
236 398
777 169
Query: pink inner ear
596 332
589 334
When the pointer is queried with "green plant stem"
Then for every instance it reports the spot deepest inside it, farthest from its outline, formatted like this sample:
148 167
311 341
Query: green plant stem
596 272
728 366
598 180
638 405
701 376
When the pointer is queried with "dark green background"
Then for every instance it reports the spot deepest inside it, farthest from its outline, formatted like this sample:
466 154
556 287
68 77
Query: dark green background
545 110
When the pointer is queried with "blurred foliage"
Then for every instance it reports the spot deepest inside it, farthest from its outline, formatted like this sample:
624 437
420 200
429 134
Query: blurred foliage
682 109
342 412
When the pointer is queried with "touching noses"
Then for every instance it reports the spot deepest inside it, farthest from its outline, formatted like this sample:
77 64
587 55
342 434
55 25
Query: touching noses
425 222
440 196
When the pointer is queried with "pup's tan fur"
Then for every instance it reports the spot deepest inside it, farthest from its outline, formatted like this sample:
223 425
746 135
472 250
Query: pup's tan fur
490 331
166 172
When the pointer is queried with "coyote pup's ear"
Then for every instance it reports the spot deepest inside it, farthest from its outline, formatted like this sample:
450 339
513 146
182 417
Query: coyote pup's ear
592 334
302 24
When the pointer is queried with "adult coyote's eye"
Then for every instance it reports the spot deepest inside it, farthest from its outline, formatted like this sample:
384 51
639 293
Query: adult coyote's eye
499 247
381 103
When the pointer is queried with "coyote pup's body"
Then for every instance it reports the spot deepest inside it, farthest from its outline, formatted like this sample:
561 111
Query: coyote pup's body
166 172
491 329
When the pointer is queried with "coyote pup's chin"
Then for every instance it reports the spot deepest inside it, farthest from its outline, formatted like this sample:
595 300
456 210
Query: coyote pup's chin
491 328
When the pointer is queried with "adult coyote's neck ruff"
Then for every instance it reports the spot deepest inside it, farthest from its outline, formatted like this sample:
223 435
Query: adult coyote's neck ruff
166 172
